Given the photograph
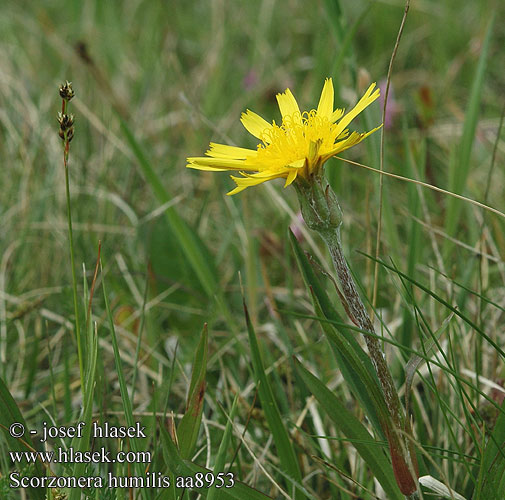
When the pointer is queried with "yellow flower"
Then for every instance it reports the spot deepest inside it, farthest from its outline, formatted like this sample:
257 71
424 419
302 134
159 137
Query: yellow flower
296 148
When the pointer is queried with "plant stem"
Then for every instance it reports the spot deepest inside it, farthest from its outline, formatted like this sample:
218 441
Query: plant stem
72 260
359 314
322 213
362 319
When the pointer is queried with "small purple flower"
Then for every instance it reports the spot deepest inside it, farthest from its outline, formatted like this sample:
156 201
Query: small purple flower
250 80
392 106
296 225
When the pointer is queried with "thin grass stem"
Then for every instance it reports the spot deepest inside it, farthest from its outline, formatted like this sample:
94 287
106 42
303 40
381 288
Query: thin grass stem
67 135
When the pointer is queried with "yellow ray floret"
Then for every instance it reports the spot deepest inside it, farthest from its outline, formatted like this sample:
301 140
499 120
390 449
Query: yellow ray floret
296 148
254 124
325 106
289 107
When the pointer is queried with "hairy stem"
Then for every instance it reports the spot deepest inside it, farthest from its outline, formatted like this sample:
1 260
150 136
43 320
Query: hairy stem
360 314
322 213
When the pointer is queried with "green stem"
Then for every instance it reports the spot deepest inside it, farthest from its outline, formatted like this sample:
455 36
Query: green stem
398 444
322 213
362 319
72 260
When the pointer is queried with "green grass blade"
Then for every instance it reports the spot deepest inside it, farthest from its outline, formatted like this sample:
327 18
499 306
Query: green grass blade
461 168
82 444
442 301
193 247
346 43
127 406
170 457
414 230
90 368
364 379
187 431
369 449
282 440
329 312
416 361
223 447
180 467
9 415
491 482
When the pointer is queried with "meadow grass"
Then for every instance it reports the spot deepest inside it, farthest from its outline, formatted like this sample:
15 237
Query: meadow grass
155 82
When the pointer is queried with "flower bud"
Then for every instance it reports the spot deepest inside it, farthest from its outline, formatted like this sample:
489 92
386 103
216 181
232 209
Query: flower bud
66 122
66 91
319 205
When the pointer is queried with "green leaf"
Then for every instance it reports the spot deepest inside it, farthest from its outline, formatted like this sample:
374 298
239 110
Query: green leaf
369 449
223 446
191 244
162 241
415 360
491 481
9 415
285 451
328 311
180 467
442 301
414 231
187 431
364 379
82 444
125 398
460 168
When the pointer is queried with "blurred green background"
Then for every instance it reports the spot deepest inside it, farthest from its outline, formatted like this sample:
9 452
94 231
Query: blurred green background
155 81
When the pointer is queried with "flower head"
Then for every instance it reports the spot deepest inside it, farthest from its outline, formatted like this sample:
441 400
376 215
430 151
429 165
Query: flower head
66 91
297 148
